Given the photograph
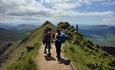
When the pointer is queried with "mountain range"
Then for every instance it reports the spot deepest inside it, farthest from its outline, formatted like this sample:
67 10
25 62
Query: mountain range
14 33
104 35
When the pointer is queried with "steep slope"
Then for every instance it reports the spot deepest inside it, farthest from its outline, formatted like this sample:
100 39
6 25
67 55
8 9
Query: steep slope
84 54
21 55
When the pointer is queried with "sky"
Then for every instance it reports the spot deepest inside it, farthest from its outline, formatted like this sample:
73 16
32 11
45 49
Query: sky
84 12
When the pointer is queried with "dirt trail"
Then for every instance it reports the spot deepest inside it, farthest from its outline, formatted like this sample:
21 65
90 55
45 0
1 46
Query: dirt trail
50 63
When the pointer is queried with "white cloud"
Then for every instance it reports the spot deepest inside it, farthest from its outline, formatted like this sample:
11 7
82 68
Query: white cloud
21 7
41 9
64 6
74 13
107 2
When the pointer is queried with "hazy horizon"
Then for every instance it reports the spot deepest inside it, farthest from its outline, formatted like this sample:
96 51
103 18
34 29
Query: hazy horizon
40 23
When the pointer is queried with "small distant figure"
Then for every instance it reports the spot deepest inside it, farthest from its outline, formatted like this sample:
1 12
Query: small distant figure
59 39
47 40
77 28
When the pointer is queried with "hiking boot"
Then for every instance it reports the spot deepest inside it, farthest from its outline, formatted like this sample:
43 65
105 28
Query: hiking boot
49 54
58 58
45 52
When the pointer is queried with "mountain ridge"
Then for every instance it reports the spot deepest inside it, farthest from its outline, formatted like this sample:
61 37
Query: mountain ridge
83 53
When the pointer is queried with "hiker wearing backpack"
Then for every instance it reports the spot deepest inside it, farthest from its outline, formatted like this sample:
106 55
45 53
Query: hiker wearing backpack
47 40
59 39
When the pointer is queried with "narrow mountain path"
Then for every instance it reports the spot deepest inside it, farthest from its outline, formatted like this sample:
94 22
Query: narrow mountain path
50 62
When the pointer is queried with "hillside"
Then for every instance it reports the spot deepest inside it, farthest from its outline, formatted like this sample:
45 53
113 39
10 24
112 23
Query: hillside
10 35
21 55
104 35
18 27
13 33
83 54
25 27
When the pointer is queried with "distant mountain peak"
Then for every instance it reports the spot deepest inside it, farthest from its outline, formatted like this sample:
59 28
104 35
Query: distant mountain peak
47 23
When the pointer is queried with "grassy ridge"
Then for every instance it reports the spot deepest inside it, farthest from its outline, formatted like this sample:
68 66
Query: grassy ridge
84 54
23 57
84 60
74 53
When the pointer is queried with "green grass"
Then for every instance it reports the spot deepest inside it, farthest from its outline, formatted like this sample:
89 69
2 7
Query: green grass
25 61
21 55
87 60
83 53
22 59
74 53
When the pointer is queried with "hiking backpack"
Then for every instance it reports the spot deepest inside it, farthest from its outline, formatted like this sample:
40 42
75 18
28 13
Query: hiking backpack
62 37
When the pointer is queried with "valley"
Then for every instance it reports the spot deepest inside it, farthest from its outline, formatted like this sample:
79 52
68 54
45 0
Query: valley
104 35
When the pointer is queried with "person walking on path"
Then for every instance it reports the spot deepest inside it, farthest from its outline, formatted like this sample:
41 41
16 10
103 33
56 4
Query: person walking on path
59 39
47 40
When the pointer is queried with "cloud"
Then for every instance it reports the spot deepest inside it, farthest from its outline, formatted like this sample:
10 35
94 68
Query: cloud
64 6
107 2
21 7
73 13
42 9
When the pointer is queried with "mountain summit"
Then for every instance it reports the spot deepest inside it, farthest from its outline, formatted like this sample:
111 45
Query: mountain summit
47 23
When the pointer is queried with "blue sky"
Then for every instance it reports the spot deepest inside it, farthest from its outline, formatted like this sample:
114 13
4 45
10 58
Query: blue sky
85 12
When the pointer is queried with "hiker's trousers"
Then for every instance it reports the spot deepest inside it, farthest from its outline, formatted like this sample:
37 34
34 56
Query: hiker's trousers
47 45
58 48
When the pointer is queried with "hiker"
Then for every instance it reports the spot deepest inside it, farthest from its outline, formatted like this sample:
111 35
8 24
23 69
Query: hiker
59 39
47 40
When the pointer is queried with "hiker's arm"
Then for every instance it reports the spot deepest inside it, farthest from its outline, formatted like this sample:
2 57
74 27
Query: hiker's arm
56 34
